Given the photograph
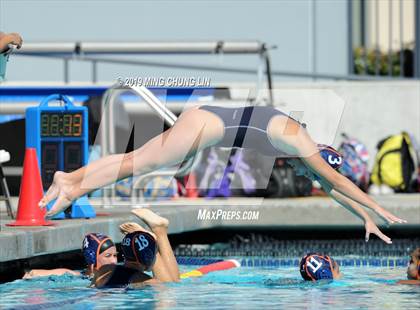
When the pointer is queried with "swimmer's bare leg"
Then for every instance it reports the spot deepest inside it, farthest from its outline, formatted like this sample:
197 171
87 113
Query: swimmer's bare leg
159 225
193 131
159 269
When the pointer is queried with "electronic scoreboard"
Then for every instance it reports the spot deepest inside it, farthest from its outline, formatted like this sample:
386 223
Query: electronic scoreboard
60 136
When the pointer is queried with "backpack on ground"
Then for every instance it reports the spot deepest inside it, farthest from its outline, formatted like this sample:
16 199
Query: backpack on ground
355 161
396 163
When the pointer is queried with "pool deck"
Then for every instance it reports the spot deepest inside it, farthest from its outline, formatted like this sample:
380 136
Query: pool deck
298 213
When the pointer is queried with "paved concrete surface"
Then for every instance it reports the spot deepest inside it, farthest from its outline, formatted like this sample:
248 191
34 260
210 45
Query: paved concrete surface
193 215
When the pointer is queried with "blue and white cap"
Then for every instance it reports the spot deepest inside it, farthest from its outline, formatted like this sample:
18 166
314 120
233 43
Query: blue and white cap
315 267
141 247
93 245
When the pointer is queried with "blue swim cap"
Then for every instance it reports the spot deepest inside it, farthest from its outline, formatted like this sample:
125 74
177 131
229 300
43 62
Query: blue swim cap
315 267
93 245
331 156
140 247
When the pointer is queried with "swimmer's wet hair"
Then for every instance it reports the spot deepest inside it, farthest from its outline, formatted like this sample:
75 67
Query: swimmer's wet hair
117 276
102 276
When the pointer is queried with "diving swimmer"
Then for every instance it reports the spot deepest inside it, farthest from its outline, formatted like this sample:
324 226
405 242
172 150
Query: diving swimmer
265 129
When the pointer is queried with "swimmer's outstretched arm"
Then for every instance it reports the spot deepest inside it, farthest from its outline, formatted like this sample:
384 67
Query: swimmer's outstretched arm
357 210
341 185
159 226
409 282
35 273
307 150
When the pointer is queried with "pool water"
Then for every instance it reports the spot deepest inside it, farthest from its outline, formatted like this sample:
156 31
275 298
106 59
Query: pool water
241 288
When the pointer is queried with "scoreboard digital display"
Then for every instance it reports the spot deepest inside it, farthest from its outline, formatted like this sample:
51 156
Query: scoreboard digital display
60 136
61 124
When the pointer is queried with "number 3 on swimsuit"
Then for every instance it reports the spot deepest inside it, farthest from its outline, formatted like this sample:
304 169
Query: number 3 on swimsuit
334 160
142 242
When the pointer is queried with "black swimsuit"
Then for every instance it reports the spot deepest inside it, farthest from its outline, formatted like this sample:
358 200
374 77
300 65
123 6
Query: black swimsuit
246 127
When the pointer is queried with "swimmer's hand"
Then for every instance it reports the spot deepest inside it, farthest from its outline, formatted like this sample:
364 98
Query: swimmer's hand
10 38
371 228
388 217
15 39
61 190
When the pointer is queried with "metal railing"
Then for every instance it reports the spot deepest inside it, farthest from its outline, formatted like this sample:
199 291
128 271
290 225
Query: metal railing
93 52
370 54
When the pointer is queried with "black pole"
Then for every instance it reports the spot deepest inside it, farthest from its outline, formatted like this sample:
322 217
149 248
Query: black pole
269 79
363 34
350 36
417 39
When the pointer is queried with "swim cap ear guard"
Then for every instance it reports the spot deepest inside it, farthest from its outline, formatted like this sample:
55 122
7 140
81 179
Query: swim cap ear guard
140 247
331 156
315 267
93 245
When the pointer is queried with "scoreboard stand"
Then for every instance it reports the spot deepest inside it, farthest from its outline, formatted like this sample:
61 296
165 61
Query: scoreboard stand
60 136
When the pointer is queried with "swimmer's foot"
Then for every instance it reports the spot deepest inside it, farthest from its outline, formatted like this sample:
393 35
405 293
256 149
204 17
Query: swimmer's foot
61 189
154 221
130 227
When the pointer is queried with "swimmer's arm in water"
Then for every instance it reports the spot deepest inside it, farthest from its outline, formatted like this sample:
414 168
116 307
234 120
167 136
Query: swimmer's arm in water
9 38
357 210
410 282
34 273
141 279
140 284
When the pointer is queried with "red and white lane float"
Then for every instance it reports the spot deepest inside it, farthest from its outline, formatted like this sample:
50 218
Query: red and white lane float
223 265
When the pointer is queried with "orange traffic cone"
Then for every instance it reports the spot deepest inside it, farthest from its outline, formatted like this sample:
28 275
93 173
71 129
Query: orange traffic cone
29 213
191 185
